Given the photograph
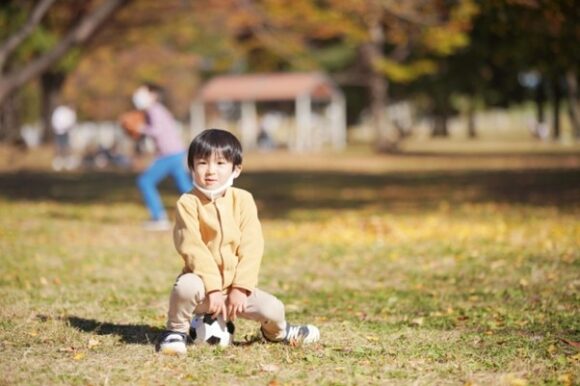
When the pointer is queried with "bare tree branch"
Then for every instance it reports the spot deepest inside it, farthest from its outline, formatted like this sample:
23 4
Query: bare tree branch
86 28
17 38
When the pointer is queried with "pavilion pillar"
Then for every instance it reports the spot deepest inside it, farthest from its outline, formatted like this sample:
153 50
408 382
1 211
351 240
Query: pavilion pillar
303 140
338 121
249 123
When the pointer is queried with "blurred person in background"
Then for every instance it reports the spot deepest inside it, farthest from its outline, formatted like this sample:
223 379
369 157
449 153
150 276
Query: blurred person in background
63 119
159 125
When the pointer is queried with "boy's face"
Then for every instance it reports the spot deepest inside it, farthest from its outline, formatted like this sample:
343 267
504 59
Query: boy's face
214 171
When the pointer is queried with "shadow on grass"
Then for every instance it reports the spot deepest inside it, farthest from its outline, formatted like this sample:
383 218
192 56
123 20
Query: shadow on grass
279 193
135 333
129 333
79 188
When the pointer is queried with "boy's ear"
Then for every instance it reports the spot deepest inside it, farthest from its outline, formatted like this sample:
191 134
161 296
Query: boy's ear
237 171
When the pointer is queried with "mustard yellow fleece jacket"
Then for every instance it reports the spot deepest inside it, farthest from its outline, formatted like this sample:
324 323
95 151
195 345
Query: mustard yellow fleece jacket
220 241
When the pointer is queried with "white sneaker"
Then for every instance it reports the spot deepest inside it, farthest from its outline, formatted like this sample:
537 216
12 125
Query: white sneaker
158 225
172 343
301 334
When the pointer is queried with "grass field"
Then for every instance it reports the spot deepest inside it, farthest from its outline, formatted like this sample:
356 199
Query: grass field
419 270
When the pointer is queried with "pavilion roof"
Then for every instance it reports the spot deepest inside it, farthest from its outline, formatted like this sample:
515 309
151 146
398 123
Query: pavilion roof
267 87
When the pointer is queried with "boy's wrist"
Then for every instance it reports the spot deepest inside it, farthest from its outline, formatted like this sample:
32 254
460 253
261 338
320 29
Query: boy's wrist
243 290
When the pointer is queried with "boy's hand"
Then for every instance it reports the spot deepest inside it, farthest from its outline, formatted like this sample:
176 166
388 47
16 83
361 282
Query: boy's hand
217 305
237 302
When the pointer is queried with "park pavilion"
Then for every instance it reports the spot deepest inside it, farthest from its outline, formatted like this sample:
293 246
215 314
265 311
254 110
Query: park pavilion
299 111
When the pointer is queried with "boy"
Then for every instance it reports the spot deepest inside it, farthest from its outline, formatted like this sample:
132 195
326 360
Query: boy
219 236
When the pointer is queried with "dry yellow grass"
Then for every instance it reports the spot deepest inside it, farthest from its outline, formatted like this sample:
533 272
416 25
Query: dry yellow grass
426 270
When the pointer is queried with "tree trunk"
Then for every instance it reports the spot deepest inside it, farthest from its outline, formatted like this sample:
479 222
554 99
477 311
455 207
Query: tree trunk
372 52
440 114
471 129
540 100
573 108
556 98
10 120
51 85
378 90
440 125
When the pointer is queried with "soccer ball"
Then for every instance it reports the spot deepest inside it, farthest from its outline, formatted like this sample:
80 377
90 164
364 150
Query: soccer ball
205 329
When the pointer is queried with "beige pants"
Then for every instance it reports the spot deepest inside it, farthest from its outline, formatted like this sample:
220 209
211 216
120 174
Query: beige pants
188 298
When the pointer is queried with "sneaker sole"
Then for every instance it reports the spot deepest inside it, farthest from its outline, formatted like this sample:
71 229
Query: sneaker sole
173 350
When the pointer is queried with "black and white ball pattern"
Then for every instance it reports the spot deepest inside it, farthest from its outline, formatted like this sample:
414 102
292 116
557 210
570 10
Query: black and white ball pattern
206 330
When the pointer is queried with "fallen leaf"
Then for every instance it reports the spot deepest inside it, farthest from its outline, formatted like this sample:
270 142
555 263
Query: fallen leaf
566 379
93 343
570 342
518 382
79 356
269 368
418 321
294 343
513 380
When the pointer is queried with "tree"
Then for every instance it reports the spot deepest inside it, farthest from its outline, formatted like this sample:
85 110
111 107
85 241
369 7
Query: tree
169 43
531 40
14 75
387 40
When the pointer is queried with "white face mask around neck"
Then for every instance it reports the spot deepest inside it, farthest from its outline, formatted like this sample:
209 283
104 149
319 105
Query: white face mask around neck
212 194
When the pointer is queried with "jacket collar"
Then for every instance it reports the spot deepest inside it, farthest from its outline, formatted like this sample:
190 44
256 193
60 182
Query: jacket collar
204 200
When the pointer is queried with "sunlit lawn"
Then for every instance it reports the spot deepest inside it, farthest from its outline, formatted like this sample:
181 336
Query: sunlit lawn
458 275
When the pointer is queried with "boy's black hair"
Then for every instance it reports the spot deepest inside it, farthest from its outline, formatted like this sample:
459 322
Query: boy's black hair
215 140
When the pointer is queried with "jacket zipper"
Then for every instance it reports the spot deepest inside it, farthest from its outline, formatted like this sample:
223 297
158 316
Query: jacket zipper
219 216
